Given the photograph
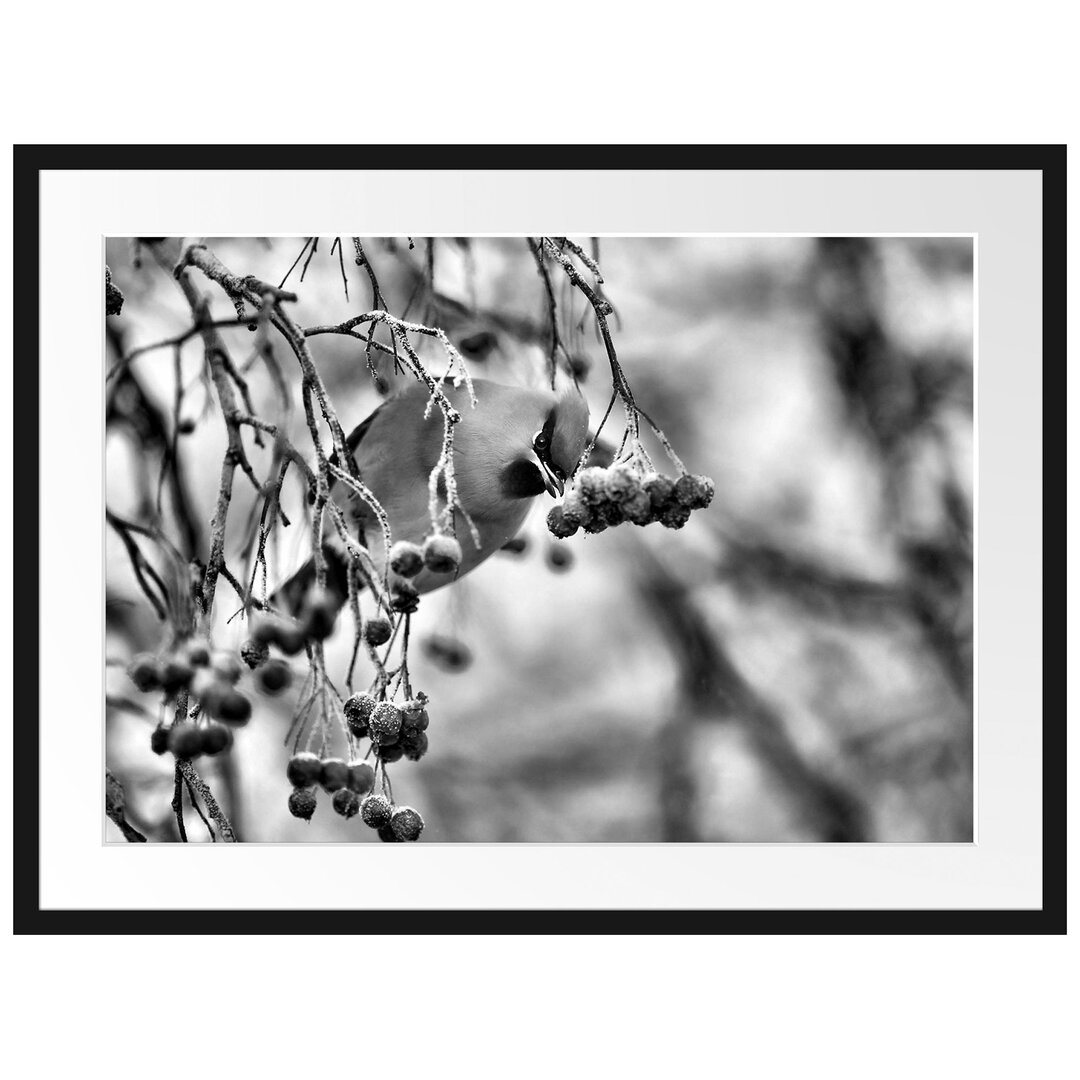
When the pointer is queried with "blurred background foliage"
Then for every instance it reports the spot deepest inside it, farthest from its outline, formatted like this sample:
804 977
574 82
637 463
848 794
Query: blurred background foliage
794 665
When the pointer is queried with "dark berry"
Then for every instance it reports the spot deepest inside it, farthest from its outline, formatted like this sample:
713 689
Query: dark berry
185 740
376 811
159 739
144 672
361 777
215 738
406 823
274 676
320 613
346 802
559 558
414 744
197 653
233 707
175 674
265 631
414 716
442 554
290 639
186 426
387 835
406 558
391 753
304 769
516 546
377 631
404 597
558 525
254 652
447 652
302 803
334 774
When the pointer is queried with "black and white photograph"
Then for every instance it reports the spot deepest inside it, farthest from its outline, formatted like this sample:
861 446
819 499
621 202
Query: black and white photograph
539 539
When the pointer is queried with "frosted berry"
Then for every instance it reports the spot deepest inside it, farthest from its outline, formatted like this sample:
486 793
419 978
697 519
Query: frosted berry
361 777
215 738
346 802
320 613
233 707
357 711
406 823
384 723
442 554
254 653
197 653
558 525
591 483
376 811
638 508
274 676
621 483
227 666
144 672
304 769
675 516
302 803
575 510
694 492
406 558
159 740
377 631
334 774
661 491
185 740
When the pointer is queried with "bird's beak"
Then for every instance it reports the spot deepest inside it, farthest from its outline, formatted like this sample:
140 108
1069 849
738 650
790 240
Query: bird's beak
552 484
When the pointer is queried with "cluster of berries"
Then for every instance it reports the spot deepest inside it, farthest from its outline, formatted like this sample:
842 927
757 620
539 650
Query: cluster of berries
317 618
210 677
190 739
350 786
601 498
396 731
439 553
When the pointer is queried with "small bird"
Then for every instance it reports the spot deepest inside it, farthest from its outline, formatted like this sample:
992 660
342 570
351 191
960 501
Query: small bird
515 444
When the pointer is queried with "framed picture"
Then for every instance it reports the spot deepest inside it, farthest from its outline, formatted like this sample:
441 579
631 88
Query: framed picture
584 535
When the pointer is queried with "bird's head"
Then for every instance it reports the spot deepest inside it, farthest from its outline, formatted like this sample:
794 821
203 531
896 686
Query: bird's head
560 441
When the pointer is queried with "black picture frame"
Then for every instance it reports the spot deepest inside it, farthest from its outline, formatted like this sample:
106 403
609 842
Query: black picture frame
31 160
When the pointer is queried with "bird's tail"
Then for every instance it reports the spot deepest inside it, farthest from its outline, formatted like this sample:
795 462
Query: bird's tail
289 596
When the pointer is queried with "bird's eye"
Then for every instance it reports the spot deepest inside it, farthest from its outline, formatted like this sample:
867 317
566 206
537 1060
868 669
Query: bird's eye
542 440
477 346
